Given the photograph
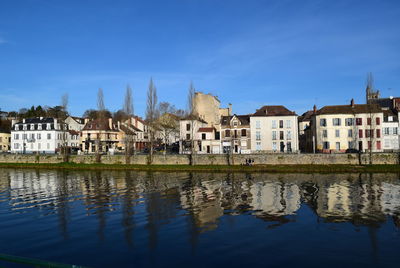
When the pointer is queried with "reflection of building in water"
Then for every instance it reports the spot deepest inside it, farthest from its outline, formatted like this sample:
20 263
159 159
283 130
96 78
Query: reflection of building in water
275 198
204 201
390 198
39 188
350 199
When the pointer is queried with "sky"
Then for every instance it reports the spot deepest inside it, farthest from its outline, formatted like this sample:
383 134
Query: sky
248 53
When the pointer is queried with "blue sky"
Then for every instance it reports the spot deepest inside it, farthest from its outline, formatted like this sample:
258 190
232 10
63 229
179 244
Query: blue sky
249 53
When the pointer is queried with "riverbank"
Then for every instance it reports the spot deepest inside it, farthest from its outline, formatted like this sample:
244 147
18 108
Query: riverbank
215 168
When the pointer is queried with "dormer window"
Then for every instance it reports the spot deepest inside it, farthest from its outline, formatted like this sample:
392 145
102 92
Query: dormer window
48 126
32 127
39 126
24 127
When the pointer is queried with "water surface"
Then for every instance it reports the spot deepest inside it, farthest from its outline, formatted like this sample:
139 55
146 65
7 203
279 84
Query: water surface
139 219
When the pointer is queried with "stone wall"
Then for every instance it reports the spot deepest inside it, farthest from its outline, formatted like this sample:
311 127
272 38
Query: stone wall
269 159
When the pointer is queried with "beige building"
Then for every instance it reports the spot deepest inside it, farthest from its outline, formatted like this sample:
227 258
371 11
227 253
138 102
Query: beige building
5 141
189 137
207 108
99 135
274 129
341 127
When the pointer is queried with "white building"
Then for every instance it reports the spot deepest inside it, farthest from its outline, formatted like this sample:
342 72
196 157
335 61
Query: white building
189 127
274 129
390 129
37 135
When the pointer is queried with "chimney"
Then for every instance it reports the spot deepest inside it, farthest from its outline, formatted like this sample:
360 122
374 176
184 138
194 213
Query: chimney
352 103
86 120
55 124
110 123
23 120
13 122
230 109
315 109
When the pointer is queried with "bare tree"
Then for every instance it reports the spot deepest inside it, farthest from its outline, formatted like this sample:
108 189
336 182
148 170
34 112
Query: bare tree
151 116
64 128
128 103
101 116
191 112
129 138
168 122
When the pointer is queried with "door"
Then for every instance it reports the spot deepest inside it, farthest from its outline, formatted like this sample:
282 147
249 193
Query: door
360 146
208 149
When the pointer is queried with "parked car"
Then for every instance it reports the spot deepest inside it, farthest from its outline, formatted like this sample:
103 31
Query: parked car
352 151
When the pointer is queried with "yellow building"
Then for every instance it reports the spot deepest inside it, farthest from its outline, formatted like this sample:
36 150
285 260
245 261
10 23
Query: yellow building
5 142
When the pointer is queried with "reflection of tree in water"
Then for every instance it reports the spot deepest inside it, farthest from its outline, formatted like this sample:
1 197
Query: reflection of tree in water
128 204
161 207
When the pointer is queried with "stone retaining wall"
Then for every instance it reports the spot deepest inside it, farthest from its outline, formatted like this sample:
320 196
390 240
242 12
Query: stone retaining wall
270 159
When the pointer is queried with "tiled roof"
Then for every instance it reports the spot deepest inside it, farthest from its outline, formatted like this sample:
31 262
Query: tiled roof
206 129
273 110
244 119
350 109
193 117
306 116
98 124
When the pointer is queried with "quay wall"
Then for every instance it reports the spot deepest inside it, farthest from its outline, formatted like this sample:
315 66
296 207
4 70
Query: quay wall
208 159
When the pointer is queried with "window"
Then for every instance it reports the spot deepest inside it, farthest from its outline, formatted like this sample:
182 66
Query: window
288 124
378 133
32 127
338 146
281 137
322 122
227 133
369 121
235 123
378 121
280 123
187 127
16 145
289 135
188 136
24 127
16 136
395 131
258 146
351 145
337 133
48 126
325 145
325 133
336 121
367 133
350 133
48 136
360 133
217 135
273 123
378 145
203 136
39 136
274 146
244 133
273 135
386 131
258 135
390 118
289 146
349 122
258 124
39 127
24 136
32 136
358 121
